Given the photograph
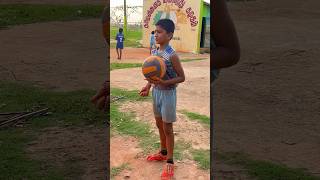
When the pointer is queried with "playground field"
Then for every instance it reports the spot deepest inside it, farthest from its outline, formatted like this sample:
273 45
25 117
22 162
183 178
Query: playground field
130 145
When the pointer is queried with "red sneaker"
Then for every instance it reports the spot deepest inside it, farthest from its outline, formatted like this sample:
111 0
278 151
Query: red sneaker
167 172
157 157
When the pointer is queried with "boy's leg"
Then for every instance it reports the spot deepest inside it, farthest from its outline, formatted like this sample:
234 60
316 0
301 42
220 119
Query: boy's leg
168 130
117 52
162 154
168 112
161 133
168 169
120 53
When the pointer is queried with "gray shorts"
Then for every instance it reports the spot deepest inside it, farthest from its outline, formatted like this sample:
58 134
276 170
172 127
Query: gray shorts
164 104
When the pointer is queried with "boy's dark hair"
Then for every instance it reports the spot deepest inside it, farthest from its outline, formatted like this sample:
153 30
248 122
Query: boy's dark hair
152 32
166 24
120 29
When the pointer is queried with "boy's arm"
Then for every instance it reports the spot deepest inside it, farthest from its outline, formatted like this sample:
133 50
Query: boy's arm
145 90
227 51
105 25
176 64
148 85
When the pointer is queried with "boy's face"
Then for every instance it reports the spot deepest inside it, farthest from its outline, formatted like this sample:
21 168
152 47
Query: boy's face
161 35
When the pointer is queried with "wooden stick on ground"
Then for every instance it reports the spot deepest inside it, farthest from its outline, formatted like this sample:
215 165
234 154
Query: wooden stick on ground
113 99
12 113
24 116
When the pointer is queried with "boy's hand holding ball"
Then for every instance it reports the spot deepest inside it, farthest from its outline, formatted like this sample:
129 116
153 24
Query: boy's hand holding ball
144 91
158 81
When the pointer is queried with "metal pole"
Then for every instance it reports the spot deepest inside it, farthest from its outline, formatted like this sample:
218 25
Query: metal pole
125 18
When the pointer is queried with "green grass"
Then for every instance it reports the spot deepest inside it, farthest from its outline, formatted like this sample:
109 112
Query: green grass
124 123
128 95
128 43
16 14
264 170
15 163
68 108
191 60
117 170
202 157
132 37
198 117
114 66
73 168
180 149
135 33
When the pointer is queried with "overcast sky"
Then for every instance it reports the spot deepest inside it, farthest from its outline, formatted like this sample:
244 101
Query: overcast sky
132 2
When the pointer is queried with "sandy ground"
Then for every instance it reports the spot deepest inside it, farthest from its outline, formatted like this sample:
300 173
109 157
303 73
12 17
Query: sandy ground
85 147
137 55
268 105
57 55
125 151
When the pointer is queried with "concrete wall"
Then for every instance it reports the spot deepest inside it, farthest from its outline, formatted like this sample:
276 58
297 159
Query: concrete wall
186 16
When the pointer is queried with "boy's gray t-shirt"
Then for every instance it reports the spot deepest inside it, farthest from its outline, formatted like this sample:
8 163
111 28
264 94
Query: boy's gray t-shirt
166 54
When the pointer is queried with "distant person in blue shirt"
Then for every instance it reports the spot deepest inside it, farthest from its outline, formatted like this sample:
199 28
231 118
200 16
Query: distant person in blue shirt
120 39
152 42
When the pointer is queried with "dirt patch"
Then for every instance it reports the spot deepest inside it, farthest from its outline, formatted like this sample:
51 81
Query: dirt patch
139 168
55 55
268 105
123 150
137 55
192 95
184 129
86 147
222 171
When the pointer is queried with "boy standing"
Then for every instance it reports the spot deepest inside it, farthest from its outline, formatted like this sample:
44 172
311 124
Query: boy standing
152 42
164 95
120 39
